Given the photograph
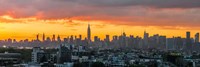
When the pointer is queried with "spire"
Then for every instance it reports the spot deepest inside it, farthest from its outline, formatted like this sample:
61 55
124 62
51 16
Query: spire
37 36
88 25
43 37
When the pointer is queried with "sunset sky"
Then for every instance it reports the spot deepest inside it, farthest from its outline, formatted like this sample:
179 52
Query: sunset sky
23 19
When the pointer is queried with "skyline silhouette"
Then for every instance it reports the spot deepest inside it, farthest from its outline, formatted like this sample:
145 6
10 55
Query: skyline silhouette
90 37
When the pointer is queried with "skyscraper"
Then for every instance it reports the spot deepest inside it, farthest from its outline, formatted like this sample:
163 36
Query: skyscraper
80 37
37 37
43 37
89 33
58 38
54 37
188 41
196 37
146 36
96 39
107 38
188 35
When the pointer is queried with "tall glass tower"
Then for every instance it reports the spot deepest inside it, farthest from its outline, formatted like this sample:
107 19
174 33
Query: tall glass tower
89 33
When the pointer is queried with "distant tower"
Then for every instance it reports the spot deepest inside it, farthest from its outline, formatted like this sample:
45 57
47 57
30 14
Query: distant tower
188 41
89 33
188 35
80 37
37 37
107 38
146 36
58 38
54 37
196 37
43 37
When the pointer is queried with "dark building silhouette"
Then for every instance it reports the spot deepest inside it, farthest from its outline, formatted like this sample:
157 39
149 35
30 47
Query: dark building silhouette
37 37
188 41
89 33
58 38
146 36
196 37
54 37
43 37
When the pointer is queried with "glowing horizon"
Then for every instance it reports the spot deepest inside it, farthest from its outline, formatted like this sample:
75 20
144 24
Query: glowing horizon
32 26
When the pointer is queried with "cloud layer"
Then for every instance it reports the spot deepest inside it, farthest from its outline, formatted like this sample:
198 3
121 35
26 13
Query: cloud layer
128 12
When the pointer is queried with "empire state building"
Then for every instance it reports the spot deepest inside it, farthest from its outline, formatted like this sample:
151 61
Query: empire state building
89 33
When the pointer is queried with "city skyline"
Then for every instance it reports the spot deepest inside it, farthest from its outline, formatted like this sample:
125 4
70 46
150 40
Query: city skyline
90 36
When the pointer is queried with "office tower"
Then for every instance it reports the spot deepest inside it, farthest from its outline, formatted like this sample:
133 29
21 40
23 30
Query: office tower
131 41
37 37
58 38
115 41
71 39
188 35
115 38
162 42
80 37
146 36
54 37
170 44
48 39
43 37
26 40
178 43
65 40
188 41
96 39
153 41
107 38
9 40
75 37
89 33
123 40
196 37
14 40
